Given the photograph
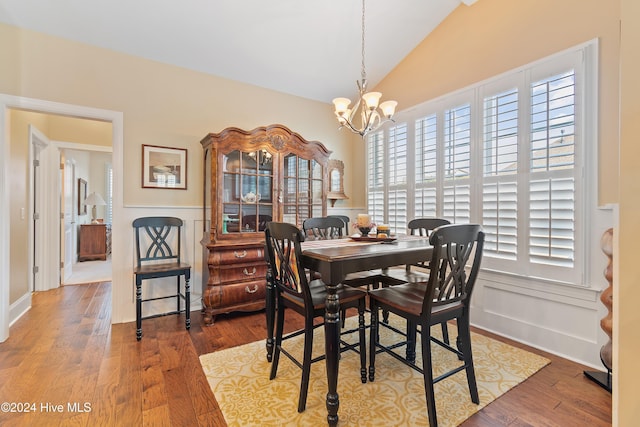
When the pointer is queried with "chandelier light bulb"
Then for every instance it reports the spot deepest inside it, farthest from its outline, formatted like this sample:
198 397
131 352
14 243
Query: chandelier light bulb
388 108
372 99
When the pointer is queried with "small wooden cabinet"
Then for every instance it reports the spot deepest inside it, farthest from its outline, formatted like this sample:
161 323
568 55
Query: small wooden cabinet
94 242
251 178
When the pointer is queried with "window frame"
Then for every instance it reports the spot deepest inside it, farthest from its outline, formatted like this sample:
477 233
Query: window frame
583 59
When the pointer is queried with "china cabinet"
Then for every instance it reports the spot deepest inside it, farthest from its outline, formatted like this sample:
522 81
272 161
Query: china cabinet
253 177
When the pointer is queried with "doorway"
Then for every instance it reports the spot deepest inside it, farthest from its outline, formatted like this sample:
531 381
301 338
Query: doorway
10 310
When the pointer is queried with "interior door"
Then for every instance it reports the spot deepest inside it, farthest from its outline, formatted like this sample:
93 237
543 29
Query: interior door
68 218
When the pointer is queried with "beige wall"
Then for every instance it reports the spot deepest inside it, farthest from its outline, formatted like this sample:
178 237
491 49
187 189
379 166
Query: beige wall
626 295
494 36
162 105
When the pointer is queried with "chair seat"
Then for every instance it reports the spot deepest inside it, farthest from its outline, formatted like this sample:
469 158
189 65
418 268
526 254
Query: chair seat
408 298
152 269
319 295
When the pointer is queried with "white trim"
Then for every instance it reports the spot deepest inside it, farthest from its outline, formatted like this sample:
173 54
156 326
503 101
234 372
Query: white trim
64 145
20 307
9 102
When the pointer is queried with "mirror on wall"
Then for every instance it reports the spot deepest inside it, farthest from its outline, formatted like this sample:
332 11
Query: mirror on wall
336 181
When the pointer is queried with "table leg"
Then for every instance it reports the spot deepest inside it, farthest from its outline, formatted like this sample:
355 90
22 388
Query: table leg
332 351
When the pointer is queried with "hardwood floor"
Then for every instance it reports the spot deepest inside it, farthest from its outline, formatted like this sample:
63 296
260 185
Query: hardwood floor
64 364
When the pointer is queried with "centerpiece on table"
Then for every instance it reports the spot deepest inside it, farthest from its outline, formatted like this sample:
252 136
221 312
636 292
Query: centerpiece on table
363 224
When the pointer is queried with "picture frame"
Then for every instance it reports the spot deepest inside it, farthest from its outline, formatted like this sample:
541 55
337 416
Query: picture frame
82 195
164 167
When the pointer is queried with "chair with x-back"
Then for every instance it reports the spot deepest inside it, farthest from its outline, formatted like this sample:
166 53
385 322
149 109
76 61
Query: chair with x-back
344 219
417 227
331 227
294 291
322 228
446 296
158 244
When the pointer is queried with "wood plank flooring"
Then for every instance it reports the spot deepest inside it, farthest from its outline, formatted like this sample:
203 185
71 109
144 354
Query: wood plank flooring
66 365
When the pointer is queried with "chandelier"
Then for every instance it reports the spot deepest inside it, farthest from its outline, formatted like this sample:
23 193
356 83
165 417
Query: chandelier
372 115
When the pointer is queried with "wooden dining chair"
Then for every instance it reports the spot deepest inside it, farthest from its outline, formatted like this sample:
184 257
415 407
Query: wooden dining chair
330 227
447 296
307 298
417 227
158 254
323 228
344 219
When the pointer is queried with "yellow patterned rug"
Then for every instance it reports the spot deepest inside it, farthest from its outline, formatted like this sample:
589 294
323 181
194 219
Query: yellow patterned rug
239 379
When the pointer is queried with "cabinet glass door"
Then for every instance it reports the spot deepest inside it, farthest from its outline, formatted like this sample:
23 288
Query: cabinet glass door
247 191
302 189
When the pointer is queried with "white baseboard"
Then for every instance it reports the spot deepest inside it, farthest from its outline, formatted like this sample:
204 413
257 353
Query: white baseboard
19 308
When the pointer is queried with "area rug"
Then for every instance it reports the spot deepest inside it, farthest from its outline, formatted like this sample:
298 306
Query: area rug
239 379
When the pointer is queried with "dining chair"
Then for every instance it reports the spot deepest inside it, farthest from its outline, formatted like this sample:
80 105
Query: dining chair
322 228
417 227
158 254
307 298
447 296
331 227
344 219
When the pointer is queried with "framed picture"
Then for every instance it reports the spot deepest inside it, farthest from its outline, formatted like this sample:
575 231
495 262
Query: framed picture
164 167
82 195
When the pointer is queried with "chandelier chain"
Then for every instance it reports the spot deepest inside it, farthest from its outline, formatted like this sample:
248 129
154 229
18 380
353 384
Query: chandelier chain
363 71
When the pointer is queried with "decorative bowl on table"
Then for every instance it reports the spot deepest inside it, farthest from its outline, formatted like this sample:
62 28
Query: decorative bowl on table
364 231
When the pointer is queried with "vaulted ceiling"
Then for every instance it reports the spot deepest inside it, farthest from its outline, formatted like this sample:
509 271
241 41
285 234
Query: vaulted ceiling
306 48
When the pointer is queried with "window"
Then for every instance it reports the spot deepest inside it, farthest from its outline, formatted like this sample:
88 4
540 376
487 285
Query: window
507 153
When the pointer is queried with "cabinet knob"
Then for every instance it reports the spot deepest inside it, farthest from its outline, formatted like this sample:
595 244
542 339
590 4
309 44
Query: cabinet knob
251 291
240 254
246 272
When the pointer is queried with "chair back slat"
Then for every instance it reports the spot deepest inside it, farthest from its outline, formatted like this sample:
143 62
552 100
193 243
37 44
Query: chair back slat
154 239
283 254
322 228
457 252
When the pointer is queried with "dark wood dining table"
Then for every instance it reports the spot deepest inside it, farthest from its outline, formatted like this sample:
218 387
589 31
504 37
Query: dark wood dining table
334 260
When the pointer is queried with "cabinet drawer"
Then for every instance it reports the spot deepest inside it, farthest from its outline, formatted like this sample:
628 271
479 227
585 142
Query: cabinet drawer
238 273
226 256
235 294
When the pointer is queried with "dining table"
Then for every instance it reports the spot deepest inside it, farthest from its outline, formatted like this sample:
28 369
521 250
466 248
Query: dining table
333 260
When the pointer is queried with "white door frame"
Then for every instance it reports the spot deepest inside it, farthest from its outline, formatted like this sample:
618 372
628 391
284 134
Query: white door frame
9 102
39 150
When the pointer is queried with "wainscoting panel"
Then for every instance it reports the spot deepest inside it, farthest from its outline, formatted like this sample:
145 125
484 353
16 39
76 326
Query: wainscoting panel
563 323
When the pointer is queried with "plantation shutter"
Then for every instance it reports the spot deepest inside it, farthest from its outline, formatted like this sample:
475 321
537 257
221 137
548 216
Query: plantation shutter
552 185
500 168
397 191
426 167
457 161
